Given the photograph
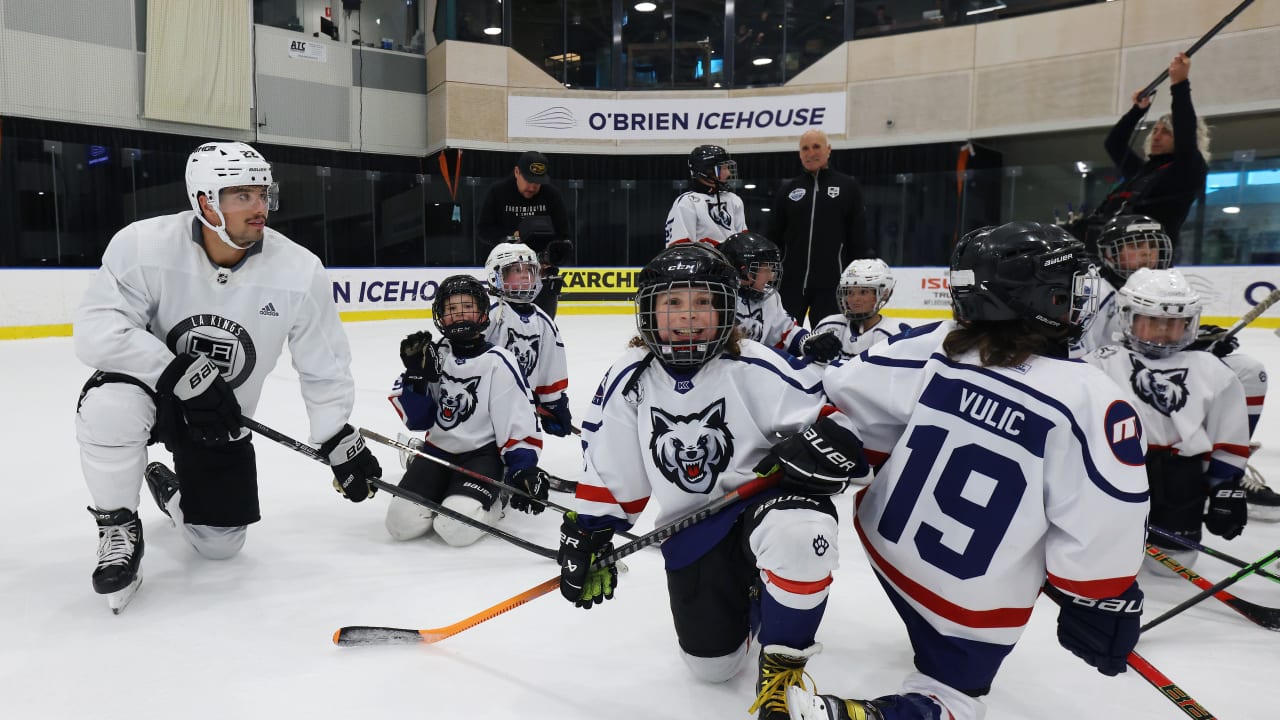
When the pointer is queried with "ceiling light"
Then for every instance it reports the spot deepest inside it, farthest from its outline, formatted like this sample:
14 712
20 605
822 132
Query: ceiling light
762 61
998 6
1231 210
493 31
749 186
646 7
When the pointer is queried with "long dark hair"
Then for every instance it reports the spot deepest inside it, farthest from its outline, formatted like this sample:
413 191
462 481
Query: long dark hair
1006 343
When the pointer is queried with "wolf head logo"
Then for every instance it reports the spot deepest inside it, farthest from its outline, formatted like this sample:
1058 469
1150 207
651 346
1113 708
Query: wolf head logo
525 348
1164 390
691 450
457 400
752 323
718 211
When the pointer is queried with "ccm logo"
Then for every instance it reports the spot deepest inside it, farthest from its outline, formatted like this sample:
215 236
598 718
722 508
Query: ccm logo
833 456
934 283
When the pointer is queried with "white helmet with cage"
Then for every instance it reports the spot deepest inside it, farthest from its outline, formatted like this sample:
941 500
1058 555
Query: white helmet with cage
867 273
215 166
513 272
1159 312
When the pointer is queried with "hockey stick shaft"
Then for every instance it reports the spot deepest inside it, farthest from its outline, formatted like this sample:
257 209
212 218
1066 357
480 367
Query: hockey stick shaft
1267 617
1198 44
1193 545
547 413
373 635
399 492
1254 313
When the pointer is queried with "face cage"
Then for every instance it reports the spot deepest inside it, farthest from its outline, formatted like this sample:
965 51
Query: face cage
750 291
1111 251
1086 294
520 292
462 329
691 354
882 297
1128 314
273 196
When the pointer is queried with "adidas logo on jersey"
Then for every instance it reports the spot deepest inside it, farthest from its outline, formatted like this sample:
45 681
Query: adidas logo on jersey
269 310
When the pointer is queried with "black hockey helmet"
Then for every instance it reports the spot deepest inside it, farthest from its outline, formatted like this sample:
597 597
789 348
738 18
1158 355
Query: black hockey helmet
706 161
1130 242
1023 270
689 341
748 252
461 285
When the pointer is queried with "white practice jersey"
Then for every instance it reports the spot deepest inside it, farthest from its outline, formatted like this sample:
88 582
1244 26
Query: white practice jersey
478 401
992 479
705 217
686 440
1104 327
768 323
855 340
1190 403
158 294
534 340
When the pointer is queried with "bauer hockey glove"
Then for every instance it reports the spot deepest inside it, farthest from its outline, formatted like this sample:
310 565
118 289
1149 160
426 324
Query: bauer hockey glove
204 401
555 417
1102 632
822 346
533 481
421 361
1228 510
821 460
353 465
581 584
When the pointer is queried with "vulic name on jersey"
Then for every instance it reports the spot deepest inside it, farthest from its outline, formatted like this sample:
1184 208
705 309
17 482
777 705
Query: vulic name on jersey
984 409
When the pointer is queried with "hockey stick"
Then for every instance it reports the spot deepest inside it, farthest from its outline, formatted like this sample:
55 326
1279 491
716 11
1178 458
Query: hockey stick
1149 89
1267 617
501 486
400 492
1193 545
1254 313
547 413
1149 672
370 635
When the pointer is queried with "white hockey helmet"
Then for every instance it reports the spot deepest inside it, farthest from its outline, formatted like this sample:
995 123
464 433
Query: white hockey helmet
507 257
1166 307
867 273
217 165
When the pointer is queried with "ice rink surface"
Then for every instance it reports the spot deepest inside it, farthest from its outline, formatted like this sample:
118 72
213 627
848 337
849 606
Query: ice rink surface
251 637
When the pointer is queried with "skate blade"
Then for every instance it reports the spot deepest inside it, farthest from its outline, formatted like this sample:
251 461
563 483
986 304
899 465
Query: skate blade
119 599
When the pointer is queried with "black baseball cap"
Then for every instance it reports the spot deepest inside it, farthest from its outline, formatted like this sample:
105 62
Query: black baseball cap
533 167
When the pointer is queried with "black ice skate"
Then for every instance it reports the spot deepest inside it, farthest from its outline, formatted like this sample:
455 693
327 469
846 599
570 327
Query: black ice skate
163 484
1263 502
120 548
808 706
781 667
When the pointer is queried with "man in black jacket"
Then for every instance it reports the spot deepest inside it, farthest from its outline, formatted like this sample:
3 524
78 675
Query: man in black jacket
526 206
1164 186
818 221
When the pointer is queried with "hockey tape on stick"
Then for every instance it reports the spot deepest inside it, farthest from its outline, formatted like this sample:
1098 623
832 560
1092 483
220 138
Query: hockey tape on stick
1254 313
1193 545
373 635
1267 617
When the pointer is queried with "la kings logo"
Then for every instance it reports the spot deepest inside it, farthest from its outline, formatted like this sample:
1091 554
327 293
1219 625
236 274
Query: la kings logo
1164 390
457 400
752 323
691 450
225 342
525 348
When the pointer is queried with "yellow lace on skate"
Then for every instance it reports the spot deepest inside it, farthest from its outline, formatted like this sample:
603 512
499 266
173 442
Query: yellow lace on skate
773 691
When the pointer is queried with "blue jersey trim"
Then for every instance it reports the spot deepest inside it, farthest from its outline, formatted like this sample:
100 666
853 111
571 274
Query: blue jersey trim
797 364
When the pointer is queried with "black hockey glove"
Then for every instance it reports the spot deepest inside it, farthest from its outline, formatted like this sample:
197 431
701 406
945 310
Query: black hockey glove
533 481
1102 632
421 361
1228 510
579 547
194 389
1204 341
820 460
352 463
822 346
556 418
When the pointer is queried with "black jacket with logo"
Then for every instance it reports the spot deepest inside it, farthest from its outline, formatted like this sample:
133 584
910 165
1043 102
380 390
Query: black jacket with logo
819 223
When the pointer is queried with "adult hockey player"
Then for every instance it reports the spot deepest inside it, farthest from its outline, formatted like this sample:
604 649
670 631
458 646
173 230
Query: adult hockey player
993 481
528 333
761 316
819 221
682 419
183 322
1191 406
474 404
865 288
708 211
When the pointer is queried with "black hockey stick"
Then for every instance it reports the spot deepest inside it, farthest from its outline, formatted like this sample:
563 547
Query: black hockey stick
1149 672
374 635
1193 545
400 492
1266 617
1164 74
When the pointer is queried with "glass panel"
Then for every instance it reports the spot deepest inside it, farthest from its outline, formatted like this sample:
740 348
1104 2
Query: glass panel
758 43
815 29
698 50
590 49
279 13
646 44
477 20
348 202
539 35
